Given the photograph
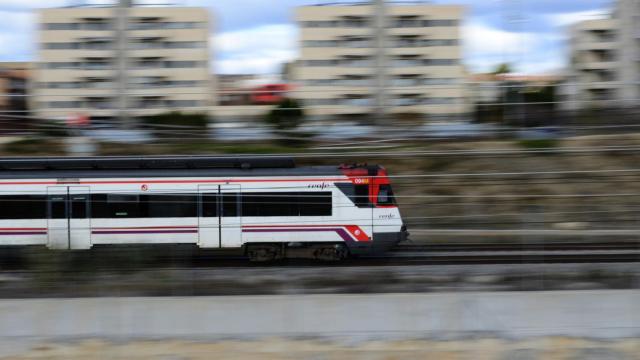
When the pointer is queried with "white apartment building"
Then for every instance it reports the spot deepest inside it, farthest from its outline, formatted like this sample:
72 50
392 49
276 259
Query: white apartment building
122 61
604 70
357 61
594 79
627 19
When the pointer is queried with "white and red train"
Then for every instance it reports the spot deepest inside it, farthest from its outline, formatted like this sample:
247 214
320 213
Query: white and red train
267 206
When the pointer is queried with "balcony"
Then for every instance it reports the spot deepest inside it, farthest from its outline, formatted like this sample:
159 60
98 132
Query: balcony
337 24
596 65
417 23
167 45
160 25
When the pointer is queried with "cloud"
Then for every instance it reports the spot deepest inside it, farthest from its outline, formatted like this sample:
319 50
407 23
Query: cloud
485 47
17 21
16 47
480 39
24 5
261 49
565 19
17 36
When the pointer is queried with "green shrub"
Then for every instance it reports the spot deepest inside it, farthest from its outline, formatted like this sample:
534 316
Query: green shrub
177 124
539 143
287 115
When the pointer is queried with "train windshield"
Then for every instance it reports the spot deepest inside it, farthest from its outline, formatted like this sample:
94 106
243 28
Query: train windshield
385 195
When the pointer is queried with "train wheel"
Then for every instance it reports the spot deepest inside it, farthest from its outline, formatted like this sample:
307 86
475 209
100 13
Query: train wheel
332 253
264 253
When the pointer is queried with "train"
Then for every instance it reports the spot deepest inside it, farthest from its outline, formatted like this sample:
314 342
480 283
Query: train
265 206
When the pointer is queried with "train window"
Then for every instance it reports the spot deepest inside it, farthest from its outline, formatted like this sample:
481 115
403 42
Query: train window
115 206
23 207
359 194
385 195
230 204
58 207
170 205
287 204
269 204
210 205
361 198
79 206
315 203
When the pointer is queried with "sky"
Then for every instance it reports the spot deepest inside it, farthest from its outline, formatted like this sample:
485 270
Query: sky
257 36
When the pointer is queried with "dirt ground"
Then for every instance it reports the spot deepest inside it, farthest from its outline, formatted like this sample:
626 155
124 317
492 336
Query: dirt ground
271 349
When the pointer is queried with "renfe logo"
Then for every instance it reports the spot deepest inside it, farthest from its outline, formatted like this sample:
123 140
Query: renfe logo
318 186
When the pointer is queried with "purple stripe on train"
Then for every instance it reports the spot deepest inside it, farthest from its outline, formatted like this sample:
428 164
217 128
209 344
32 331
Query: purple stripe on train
343 234
111 232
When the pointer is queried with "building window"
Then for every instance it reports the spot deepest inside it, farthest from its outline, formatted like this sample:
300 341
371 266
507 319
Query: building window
92 26
440 62
442 22
65 104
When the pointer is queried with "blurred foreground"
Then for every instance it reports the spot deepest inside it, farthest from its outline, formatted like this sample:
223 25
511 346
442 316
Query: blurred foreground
495 325
550 348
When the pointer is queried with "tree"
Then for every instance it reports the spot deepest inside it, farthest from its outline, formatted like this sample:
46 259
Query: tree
287 115
503 68
170 124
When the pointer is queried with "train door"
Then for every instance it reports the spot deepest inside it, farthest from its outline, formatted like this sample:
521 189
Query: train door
209 218
69 223
363 189
231 220
220 224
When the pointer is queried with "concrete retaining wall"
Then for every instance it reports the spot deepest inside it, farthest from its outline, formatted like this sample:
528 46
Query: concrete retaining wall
595 314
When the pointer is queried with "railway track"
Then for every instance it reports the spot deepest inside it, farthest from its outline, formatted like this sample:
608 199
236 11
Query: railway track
525 246
413 258
526 253
508 258
403 255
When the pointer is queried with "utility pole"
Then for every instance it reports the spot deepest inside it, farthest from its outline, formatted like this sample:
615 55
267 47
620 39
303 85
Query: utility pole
380 30
121 23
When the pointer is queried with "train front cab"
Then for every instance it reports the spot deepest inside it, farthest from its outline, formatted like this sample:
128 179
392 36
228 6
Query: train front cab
373 191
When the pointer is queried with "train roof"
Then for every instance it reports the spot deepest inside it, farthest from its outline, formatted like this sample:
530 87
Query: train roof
146 162
157 166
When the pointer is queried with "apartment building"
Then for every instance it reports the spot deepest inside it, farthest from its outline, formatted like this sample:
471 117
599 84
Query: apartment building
122 61
14 82
594 78
626 17
358 61
604 71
